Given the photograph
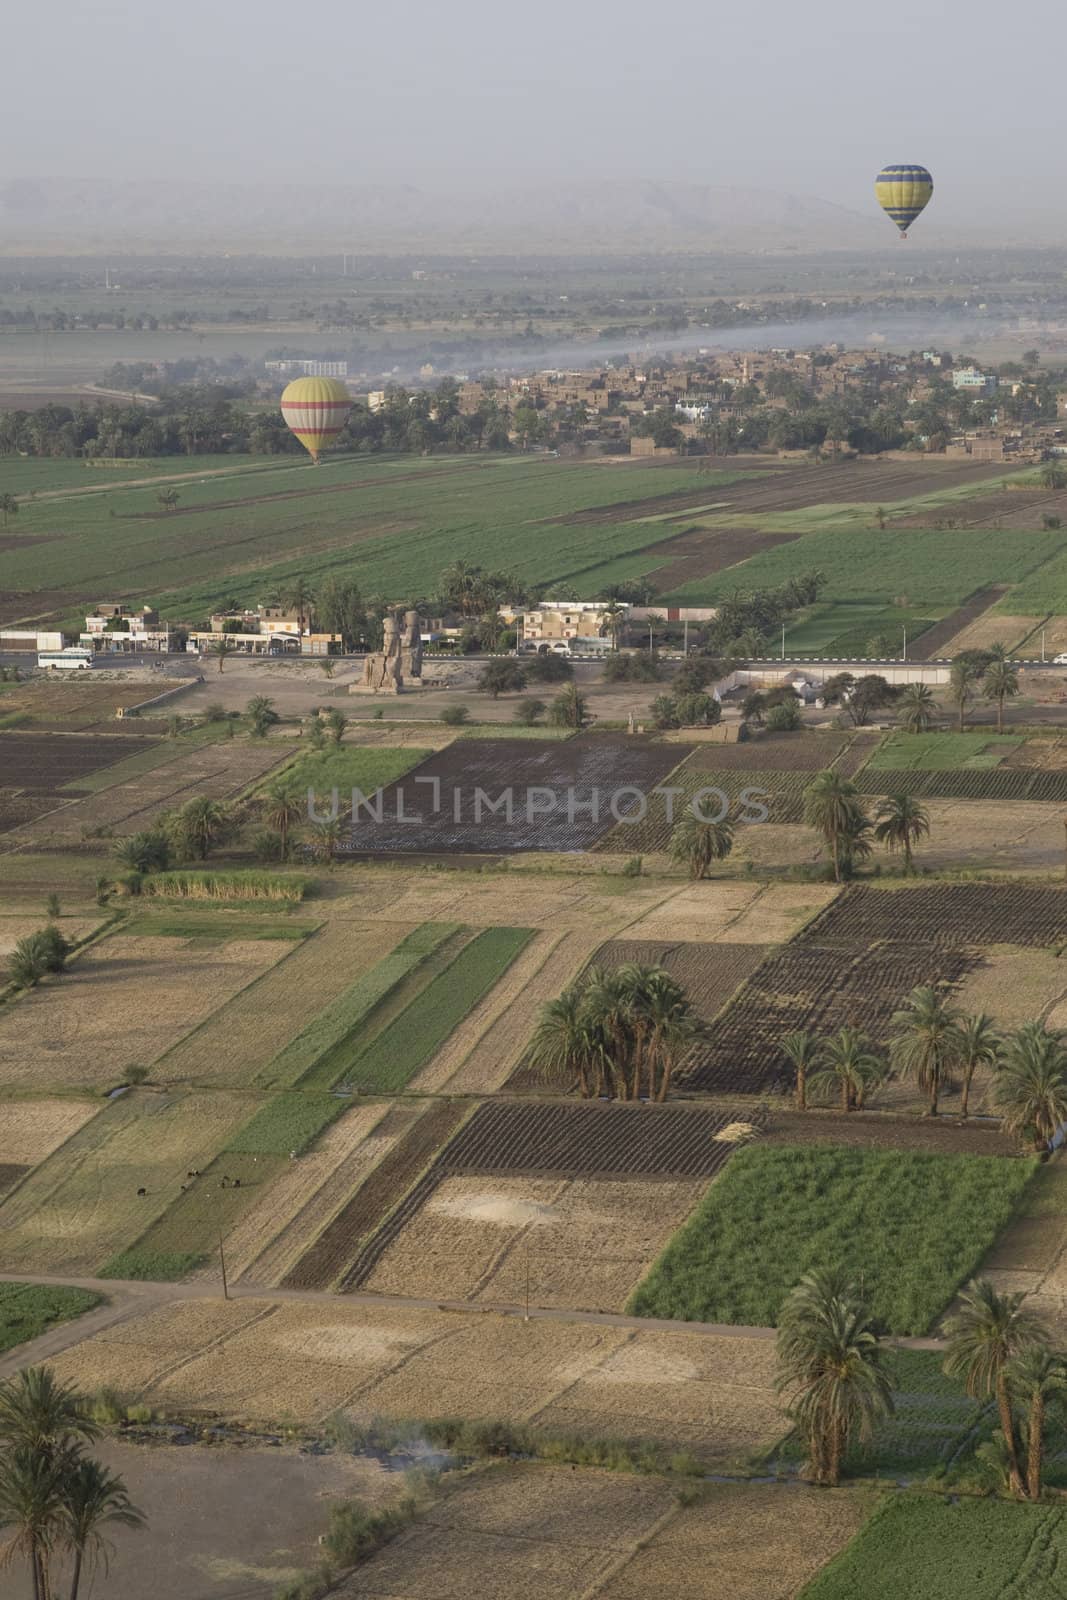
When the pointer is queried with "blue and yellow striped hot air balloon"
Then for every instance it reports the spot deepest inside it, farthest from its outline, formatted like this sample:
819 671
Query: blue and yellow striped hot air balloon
902 193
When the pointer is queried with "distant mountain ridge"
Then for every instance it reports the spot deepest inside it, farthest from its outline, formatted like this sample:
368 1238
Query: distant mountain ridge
576 215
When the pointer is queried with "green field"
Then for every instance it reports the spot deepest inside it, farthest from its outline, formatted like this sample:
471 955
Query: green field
388 1061
348 767
309 1057
849 628
941 752
938 568
909 1228
29 1309
926 1547
42 474
393 525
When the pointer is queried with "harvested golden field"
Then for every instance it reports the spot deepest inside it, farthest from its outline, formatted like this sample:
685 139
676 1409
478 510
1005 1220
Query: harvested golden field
241 1036
546 1533
567 900
585 1242
488 1045
995 627
264 1360
731 912
273 1235
1039 754
1014 985
743 1541
122 1002
31 1129
20 925
81 1206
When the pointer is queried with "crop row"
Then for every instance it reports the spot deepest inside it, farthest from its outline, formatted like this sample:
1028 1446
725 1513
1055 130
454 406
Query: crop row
709 973
817 987
995 783
959 913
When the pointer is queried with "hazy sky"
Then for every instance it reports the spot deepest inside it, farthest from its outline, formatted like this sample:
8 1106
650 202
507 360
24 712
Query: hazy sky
809 98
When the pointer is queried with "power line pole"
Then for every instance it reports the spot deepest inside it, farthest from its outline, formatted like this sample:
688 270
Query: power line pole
222 1262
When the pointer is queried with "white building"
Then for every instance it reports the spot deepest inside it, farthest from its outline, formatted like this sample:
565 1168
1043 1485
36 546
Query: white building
969 378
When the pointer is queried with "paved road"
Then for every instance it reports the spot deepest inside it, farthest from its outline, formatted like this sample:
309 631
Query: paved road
128 1298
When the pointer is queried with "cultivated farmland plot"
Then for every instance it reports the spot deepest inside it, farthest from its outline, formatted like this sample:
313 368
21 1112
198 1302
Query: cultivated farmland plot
551 785
565 1141
41 763
959 913
121 1003
742 791
998 783
258 1359
710 973
803 751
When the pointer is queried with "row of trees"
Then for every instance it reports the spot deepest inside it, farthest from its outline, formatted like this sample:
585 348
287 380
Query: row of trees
939 1047
832 1374
56 1500
834 807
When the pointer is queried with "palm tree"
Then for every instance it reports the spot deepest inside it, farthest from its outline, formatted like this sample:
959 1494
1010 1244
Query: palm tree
613 616
568 709
1031 1087
900 822
565 1046
337 722
609 999
829 1365
670 1025
848 1064
9 507
833 807
261 715
801 1050
298 598
281 806
325 837
31 1483
927 1041
979 1046
92 1499
1036 1375
36 1410
1053 475
963 676
221 648
198 826
984 1333
698 843
918 708
1001 683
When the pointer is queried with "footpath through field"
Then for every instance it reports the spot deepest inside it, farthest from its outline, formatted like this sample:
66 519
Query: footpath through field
132 1297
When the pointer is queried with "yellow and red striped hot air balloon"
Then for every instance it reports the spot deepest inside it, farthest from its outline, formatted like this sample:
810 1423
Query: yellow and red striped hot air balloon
902 192
315 410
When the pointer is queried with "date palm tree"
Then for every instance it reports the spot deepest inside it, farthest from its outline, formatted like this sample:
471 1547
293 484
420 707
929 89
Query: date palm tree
324 838
670 1027
846 1063
221 648
801 1050
1031 1087
918 708
979 1046
43 1425
698 843
984 1333
927 1042
829 1367
281 807
92 1499
899 823
1036 1377
567 1046
833 807
197 827
1001 683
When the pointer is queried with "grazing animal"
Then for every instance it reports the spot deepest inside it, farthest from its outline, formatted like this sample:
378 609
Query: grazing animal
194 1174
237 1183
225 1184
185 1188
142 1192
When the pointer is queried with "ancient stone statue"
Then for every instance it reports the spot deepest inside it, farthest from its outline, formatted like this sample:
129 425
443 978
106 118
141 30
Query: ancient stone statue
400 658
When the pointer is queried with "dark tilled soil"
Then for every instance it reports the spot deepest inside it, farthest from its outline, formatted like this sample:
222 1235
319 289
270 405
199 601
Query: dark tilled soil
338 1246
40 763
703 551
772 752
553 788
939 1135
10 1171
957 913
710 972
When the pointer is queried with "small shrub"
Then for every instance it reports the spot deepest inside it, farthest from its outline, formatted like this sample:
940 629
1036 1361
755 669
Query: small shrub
107 1406
784 718
215 712
145 852
139 1413
632 868
455 716
52 907
529 711
268 846
135 1074
547 668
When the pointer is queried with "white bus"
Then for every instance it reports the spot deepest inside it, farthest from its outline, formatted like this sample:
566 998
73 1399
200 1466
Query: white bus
72 659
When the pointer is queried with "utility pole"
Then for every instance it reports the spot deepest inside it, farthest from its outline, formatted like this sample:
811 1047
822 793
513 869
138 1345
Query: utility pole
222 1262
1042 644
905 656
526 1315
685 637
783 641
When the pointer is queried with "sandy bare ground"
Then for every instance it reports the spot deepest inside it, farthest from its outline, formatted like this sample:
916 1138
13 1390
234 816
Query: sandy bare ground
488 1045
1030 1256
998 627
531 900
121 1003
242 1036
257 1358
273 1237
222 1526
